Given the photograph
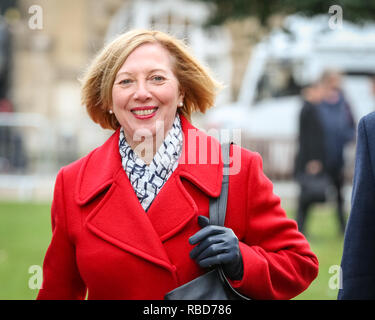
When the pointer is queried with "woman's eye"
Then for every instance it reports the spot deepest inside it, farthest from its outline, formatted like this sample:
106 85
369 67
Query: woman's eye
125 81
158 78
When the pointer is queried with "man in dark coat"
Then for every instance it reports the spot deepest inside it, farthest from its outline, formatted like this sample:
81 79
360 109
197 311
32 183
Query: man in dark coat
358 261
326 126
311 149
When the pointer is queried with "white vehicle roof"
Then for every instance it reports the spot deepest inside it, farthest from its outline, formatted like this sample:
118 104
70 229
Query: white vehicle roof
313 46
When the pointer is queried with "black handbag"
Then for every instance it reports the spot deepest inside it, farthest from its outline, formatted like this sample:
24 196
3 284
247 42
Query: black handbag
212 285
314 186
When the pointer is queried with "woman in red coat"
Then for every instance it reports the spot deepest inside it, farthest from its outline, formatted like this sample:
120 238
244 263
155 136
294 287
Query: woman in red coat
125 217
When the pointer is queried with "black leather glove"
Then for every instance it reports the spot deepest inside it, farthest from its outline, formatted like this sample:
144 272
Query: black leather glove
217 245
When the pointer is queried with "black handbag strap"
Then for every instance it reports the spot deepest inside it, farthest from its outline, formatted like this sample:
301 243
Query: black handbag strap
218 206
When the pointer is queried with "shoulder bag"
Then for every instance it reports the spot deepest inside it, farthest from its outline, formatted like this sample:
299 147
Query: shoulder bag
212 285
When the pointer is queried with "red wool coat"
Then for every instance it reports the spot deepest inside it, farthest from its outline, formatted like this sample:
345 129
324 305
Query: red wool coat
105 244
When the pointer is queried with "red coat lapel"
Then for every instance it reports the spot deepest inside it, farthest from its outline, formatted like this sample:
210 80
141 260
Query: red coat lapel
200 161
98 170
120 219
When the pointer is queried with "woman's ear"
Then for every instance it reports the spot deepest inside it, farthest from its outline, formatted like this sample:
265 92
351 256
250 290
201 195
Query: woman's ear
182 96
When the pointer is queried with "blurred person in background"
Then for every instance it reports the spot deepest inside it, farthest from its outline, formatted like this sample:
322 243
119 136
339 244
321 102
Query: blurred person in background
310 157
358 260
130 219
13 155
339 130
326 125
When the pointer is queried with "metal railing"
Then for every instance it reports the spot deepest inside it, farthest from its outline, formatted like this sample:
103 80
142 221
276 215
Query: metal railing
26 153
279 154
25 143
32 150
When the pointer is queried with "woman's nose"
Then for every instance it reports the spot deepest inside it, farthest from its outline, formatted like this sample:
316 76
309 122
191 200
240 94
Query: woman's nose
142 93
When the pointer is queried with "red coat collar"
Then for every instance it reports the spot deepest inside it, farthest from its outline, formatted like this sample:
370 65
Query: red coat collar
199 163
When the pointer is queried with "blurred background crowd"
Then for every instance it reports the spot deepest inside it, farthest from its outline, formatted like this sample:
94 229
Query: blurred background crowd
297 78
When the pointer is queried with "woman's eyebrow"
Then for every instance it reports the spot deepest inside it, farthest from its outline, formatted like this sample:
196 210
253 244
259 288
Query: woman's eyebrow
123 73
126 73
157 70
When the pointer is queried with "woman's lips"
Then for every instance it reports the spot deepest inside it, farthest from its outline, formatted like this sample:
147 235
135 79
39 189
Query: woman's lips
144 112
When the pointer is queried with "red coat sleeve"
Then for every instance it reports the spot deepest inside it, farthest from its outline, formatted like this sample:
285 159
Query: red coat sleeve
61 279
278 262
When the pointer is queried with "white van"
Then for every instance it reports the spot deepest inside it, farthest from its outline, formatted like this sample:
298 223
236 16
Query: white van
269 103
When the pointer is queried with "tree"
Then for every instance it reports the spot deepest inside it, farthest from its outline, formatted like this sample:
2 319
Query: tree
357 11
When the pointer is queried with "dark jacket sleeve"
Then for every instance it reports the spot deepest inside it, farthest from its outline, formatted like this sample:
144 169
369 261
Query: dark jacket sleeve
358 261
349 132
310 139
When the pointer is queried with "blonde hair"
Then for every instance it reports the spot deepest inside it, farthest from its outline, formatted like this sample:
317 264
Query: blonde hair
195 81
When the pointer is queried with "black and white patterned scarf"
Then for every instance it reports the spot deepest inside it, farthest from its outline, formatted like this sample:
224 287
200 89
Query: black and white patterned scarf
147 180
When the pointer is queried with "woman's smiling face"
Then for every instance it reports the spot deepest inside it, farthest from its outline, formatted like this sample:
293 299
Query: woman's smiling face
146 93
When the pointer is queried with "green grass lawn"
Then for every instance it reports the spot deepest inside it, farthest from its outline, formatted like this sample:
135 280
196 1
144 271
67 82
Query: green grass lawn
25 232
326 242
